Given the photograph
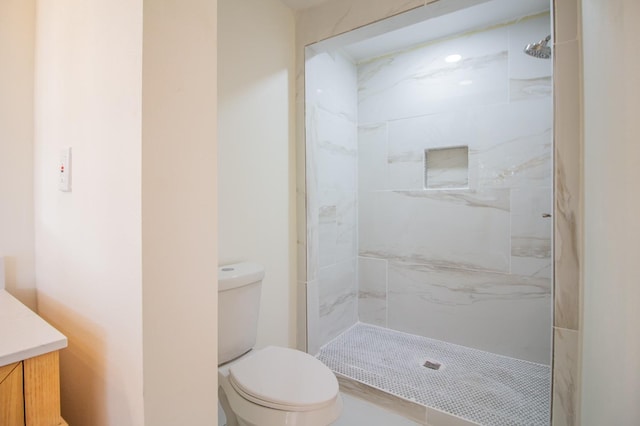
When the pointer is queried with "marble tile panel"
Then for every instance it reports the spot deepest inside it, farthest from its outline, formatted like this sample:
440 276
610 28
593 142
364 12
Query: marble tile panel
419 81
338 16
409 138
338 220
301 172
531 267
498 313
522 162
347 227
568 152
301 316
331 140
516 150
510 144
312 206
337 170
528 30
406 408
338 299
373 173
565 377
313 318
528 88
407 172
531 222
372 291
301 237
457 229
529 77
301 260
301 176
327 235
333 145
313 243
498 124
331 84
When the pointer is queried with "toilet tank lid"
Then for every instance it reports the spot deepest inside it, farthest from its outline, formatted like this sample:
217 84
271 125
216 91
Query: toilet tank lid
239 274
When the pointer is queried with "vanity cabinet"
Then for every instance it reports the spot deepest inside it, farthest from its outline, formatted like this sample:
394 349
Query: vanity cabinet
29 365
30 392
11 395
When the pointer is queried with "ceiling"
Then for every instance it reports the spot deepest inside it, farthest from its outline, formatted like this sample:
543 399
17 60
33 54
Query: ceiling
481 15
302 4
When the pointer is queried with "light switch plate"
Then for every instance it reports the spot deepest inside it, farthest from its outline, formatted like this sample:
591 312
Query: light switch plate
64 182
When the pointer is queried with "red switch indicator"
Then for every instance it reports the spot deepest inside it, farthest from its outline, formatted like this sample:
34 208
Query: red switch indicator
64 180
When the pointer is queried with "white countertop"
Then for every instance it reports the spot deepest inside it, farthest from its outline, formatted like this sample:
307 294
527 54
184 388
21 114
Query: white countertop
23 334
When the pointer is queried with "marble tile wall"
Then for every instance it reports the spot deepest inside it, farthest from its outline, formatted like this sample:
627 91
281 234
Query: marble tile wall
469 265
419 81
568 237
315 24
331 257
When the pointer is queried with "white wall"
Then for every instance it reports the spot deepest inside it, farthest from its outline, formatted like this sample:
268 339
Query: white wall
17 26
179 209
611 337
257 153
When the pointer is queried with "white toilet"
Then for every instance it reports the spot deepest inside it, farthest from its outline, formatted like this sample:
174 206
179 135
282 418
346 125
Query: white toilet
271 386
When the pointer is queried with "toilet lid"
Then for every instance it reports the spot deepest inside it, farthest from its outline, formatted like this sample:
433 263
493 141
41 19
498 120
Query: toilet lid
284 379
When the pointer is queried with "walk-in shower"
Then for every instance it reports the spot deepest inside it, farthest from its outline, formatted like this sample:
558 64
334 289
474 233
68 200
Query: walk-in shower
429 200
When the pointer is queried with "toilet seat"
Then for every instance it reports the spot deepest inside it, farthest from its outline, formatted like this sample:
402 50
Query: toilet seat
284 379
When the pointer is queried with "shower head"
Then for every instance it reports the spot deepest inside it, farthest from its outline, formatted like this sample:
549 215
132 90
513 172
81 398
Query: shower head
539 49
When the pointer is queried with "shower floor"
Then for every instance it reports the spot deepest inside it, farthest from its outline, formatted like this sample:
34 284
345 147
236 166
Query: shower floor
482 387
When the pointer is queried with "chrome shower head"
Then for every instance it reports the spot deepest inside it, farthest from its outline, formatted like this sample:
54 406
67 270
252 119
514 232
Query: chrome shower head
539 49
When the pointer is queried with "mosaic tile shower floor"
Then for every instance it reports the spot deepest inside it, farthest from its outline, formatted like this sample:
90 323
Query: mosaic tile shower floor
482 387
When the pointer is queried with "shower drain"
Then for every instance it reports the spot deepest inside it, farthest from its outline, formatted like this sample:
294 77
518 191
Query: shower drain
434 365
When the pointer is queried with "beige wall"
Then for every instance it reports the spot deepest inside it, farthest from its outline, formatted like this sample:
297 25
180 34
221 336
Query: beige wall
126 262
179 209
257 153
16 147
611 338
88 245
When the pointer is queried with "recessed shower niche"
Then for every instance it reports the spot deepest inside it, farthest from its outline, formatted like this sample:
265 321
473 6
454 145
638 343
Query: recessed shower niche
446 167
429 180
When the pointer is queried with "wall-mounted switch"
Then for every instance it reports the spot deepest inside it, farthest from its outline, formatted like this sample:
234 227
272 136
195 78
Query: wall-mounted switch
64 182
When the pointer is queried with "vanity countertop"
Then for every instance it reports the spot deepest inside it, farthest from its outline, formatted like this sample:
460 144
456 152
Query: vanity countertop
23 334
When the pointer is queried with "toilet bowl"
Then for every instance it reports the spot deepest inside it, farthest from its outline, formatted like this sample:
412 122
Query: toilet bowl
274 386
278 386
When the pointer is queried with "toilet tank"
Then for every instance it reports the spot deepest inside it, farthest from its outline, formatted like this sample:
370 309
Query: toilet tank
238 307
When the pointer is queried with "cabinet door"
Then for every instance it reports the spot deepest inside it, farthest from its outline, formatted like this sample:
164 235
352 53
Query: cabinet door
11 396
42 390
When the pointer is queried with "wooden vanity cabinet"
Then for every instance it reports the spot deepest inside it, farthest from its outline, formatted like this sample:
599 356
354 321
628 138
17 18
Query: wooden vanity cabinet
30 392
11 395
